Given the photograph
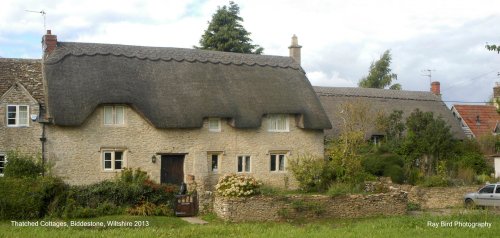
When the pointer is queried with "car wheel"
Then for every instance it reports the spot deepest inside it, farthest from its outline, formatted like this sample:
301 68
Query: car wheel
469 203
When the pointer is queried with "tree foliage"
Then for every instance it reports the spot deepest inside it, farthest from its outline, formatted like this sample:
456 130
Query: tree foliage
380 74
428 140
493 48
225 33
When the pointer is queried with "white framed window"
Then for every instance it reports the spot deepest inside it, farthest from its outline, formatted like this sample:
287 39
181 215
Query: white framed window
114 115
278 123
277 162
243 164
113 160
3 161
214 124
17 115
214 160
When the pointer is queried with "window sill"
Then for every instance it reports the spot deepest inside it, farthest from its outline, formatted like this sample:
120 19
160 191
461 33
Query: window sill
112 170
278 131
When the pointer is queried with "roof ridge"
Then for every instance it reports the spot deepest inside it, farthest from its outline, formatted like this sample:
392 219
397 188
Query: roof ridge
154 53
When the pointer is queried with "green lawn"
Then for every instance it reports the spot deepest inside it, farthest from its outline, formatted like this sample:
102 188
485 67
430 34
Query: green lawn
403 226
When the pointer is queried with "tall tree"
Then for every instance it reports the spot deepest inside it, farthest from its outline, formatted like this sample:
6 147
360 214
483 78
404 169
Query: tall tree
225 33
493 48
380 75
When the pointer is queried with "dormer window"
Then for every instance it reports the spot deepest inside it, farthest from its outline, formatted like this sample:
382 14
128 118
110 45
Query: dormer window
214 124
17 115
114 115
278 123
478 121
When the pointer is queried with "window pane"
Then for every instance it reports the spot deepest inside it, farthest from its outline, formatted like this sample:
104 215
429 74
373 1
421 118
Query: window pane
487 189
215 162
280 122
214 124
273 162
108 115
118 164
2 163
282 162
247 164
11 115
23 115
107 160
240 164
120 115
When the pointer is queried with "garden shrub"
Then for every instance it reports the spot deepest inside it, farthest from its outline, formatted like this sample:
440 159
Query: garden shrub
312 173
475 161
435 181
387 165
28 198
150 209
338 189
232 185
20 166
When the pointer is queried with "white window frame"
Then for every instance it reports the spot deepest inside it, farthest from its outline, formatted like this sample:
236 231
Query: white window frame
214 129
277 164
211 164
244 163
114 117
17 124
4 162
273 122
113 160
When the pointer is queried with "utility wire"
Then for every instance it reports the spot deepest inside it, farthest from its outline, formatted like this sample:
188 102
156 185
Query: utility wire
468 80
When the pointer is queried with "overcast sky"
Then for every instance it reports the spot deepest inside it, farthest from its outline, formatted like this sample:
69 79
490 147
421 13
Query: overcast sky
340 38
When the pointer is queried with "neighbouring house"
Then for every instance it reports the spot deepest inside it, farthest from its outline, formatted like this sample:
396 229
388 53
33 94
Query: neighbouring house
384 101
21 100
479 120
179 114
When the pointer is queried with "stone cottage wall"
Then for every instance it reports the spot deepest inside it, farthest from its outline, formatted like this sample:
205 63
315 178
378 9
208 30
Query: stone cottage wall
76 152
276 208
22 139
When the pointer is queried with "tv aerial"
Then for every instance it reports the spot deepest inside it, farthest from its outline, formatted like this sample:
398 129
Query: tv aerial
43 15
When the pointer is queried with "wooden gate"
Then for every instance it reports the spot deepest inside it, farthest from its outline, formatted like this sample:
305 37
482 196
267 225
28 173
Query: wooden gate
186 205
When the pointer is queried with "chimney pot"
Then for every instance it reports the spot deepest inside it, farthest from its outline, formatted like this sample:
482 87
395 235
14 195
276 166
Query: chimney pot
436 88
49 32
295 49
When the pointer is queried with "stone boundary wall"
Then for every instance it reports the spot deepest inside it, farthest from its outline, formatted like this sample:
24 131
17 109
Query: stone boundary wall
438 197
278 208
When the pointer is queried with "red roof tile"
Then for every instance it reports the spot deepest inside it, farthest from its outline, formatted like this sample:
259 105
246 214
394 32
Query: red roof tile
481 119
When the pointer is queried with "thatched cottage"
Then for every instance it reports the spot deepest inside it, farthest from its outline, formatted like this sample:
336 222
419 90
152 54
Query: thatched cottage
179 114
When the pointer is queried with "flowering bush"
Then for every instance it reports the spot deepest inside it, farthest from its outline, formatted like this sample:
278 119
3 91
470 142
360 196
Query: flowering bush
232 185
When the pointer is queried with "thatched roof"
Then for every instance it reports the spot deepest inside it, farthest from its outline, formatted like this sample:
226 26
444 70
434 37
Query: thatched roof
27 72
385 101
177 88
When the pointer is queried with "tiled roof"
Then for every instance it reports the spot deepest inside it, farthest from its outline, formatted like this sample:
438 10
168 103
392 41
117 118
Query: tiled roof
28 72
487 115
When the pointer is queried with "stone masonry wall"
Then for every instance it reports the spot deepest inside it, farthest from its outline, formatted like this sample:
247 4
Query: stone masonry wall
276 208
23 139
438 198
76 152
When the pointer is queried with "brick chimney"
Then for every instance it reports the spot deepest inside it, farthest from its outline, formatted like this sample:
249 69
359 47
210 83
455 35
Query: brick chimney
496 95
49 42
436 88
295 49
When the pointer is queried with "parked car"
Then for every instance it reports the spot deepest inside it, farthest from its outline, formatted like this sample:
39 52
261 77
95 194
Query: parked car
489 195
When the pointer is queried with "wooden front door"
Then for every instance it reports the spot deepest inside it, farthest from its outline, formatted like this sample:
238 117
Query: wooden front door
172 169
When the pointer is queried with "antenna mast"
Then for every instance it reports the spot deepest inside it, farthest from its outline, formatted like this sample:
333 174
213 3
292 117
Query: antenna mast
429 74
43 14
